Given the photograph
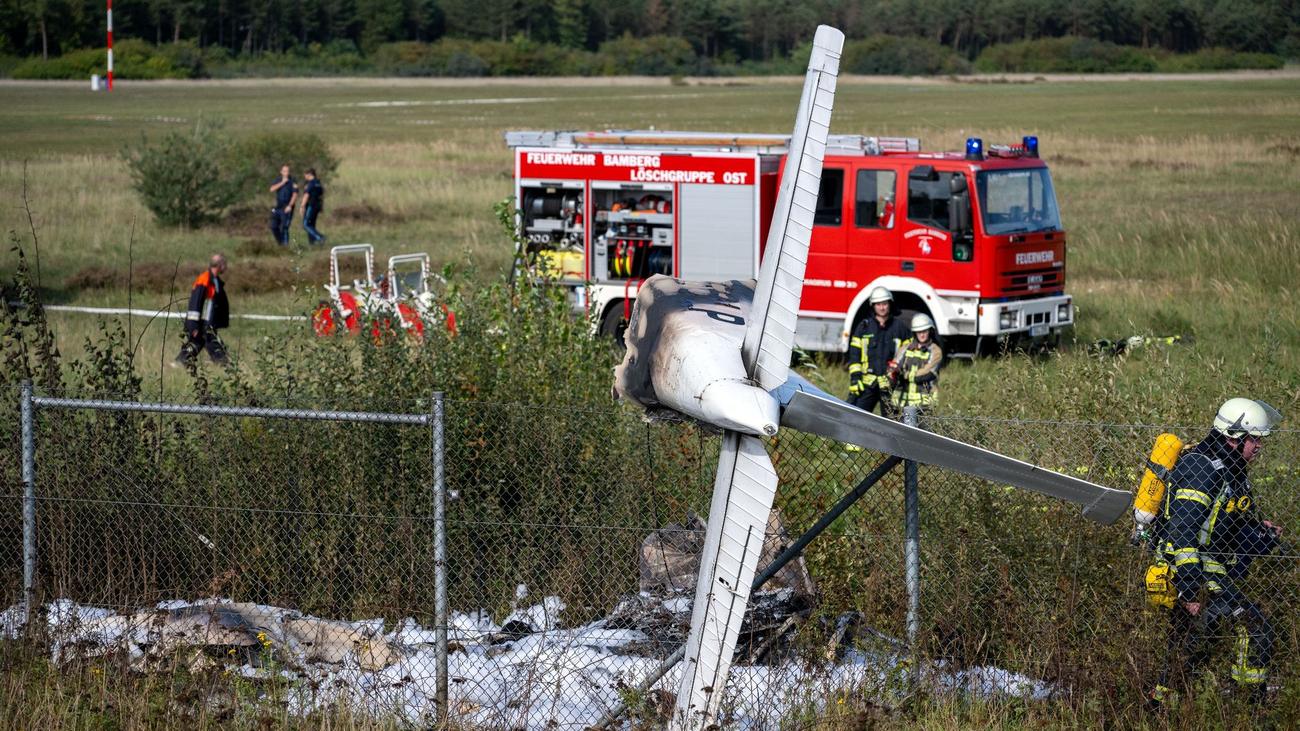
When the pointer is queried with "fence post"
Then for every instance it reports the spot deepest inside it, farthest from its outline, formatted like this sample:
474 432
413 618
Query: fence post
440 556
912 552
29 500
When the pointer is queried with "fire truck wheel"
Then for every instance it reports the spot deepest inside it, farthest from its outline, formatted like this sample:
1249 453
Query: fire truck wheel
613 326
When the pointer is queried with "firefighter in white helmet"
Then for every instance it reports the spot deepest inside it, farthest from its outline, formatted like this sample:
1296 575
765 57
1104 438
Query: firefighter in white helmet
1210 532
916 366
871 349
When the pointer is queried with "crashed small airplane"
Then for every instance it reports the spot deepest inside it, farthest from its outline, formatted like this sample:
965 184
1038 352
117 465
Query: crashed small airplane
719 353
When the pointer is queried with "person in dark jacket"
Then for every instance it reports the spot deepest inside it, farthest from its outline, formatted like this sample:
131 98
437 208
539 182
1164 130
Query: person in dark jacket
286 193
313 202
872 347
208 312
1212 530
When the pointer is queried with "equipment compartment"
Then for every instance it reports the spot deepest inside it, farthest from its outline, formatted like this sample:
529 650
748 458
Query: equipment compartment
632 235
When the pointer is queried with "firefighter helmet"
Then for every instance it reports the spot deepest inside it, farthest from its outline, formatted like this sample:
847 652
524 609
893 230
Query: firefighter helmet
921 322
1239 417
880 294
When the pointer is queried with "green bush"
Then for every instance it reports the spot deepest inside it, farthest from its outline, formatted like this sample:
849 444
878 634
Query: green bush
255 160
1219 59
73 65
522 57
1084 55
182 178
191 178
649 56
891 55
1065 55
7 65
336 58
132 59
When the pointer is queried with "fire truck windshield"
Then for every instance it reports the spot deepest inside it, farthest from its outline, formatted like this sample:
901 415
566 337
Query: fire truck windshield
1017 201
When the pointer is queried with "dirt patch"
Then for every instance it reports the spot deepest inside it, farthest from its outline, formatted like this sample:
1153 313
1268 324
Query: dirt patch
1169 166
253 247
1284 149
1021 79
363 212
1069 161
251 277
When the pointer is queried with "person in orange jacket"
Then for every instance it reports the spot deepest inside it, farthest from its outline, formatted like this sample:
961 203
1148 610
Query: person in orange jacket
208 312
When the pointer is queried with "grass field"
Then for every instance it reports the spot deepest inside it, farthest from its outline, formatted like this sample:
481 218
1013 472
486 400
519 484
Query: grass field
1180 198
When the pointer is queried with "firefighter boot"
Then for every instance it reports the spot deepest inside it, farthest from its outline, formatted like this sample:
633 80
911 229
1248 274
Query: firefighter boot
188 355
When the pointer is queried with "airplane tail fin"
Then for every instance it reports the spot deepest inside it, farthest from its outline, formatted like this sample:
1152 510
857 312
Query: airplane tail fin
769 335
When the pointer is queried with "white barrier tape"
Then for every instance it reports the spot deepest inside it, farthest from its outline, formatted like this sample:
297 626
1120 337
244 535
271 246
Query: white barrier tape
174 315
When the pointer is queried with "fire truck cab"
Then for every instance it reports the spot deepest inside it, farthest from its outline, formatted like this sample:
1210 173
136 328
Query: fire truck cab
972 238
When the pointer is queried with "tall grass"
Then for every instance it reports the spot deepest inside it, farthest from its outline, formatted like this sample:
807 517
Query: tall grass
1181 220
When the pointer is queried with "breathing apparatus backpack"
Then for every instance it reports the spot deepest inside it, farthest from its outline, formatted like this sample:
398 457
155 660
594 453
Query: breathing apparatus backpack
1148 511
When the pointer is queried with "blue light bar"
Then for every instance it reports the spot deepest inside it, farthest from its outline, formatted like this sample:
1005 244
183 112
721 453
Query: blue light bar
974 148
1031 145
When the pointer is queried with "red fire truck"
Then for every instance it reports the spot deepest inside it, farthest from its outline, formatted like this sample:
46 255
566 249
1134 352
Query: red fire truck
972 238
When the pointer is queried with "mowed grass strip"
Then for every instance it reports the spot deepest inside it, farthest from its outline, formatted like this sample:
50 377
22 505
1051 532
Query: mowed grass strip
1179 196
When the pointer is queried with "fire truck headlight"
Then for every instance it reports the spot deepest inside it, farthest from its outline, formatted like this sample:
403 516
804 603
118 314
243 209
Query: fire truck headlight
1063 312
1007 320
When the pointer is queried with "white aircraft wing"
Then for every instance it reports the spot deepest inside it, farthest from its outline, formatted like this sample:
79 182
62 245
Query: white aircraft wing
745 485
743 490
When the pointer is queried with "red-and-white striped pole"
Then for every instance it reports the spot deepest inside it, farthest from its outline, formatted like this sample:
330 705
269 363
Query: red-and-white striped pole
110 45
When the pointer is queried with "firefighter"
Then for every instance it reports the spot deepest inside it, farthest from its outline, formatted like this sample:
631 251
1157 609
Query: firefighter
209 311
1210 533
875 341
916 366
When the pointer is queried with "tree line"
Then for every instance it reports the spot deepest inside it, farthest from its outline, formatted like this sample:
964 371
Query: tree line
727 31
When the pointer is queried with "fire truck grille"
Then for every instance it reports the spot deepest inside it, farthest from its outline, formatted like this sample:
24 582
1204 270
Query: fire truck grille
1032 281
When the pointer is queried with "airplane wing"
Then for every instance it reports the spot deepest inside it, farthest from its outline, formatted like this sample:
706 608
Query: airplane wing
835 419
743 490
745 485
769 335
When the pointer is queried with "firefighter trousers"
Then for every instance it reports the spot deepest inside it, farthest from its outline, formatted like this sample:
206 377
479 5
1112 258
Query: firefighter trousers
208 340
1192 640
872 394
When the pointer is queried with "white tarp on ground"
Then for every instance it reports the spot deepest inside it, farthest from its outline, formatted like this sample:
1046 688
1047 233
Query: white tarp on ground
549 677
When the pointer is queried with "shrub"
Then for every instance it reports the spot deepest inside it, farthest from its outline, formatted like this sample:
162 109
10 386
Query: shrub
1065 55
132 59
7 65
255 160
181 178
1084 55
73 65
881 55
649 56
1219 59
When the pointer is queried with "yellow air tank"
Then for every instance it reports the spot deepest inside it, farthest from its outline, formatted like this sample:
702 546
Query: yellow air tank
1151 493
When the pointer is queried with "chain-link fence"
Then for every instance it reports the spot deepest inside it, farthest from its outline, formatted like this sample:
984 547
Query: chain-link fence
296 555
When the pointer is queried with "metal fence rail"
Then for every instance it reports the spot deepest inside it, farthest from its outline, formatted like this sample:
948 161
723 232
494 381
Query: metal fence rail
514 566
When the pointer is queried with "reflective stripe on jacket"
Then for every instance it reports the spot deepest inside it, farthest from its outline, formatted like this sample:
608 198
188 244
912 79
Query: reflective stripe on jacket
208 303
918 373
871 348
1212 529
